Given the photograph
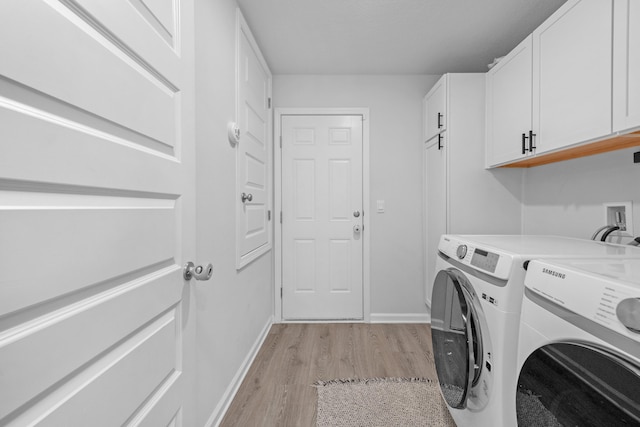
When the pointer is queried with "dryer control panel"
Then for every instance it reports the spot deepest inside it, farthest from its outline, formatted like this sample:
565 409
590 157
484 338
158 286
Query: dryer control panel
604 291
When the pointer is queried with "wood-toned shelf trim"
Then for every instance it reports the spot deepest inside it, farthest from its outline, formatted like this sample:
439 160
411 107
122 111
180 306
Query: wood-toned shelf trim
611 144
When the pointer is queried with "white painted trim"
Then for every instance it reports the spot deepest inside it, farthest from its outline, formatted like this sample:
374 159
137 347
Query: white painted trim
223 405
243 28
366 203
400 318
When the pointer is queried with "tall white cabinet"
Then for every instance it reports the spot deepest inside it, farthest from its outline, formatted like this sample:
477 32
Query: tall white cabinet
460 196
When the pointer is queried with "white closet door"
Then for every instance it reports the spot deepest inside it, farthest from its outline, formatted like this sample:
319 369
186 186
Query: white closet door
96 212
253 237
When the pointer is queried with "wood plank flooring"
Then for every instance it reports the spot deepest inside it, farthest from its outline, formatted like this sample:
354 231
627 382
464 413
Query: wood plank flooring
277 390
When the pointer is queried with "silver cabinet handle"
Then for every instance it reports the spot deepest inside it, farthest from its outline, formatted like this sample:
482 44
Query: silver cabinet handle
246 197
199 273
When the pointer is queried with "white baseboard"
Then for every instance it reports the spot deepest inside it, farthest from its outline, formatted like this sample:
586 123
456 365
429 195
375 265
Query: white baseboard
223 405
400 318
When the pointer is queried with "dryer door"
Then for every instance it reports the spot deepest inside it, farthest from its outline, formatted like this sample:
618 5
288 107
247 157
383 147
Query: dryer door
456 336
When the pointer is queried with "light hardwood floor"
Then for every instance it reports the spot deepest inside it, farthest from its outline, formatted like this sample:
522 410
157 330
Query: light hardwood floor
278 391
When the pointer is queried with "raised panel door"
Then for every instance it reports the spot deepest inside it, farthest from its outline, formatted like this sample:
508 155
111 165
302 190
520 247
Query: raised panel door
508 110
322 238
253 236
435 204
572 53
435 108
626 65
96 213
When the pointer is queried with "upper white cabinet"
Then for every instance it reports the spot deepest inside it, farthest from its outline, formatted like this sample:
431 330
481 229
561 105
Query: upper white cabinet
572 53
509 101
435 106
554 89
626 65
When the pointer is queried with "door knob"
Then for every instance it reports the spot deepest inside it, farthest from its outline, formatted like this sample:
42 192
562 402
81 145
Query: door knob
357 228
356 214
199 272
246 197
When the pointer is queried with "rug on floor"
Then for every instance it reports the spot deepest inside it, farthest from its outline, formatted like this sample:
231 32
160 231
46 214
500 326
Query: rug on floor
381 402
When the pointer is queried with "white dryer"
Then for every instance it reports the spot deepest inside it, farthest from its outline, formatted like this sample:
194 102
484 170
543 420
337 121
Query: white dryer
475 315
579 351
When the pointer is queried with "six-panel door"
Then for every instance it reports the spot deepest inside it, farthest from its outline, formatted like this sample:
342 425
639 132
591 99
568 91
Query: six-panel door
322 217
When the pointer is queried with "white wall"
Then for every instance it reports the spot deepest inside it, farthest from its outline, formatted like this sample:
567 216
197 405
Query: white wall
234 307
395 104
566 198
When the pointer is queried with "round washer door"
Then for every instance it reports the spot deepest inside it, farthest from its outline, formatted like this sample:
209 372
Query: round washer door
456 336
570 384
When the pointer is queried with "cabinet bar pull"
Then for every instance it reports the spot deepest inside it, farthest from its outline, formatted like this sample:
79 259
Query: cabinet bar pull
524 144
439 123
439 141
531 146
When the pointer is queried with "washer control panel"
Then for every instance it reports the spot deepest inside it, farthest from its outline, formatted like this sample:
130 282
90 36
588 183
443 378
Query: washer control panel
485 259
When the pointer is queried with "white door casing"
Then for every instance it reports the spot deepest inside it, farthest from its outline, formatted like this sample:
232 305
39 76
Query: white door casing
322 210
253 155
97 209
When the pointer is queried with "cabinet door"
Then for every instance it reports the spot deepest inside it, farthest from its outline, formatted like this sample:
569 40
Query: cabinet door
509 106
436 203
626 65
572 75
435 110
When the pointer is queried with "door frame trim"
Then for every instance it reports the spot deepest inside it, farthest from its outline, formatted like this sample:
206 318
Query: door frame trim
277 171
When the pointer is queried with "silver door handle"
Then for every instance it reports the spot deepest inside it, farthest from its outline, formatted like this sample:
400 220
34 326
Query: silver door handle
200 273
357 228
246 197
356 214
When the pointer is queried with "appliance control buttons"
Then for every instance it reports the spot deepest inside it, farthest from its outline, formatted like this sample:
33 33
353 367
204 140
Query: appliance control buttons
490 299
462 251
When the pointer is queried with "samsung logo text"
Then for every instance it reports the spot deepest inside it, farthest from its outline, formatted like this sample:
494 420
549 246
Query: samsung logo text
553 273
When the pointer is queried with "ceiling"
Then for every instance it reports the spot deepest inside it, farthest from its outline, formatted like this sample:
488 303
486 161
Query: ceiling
390 36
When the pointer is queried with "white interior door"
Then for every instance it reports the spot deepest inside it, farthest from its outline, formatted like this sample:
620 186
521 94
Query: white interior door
253 237
322 218
96 212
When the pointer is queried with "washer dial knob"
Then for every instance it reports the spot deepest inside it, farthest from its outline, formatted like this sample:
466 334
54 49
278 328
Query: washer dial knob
461 251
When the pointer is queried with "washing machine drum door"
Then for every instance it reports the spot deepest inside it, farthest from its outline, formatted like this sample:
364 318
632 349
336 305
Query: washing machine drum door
456 336
578 384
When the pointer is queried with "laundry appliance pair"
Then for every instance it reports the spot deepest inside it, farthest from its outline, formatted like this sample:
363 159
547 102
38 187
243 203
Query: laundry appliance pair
476 308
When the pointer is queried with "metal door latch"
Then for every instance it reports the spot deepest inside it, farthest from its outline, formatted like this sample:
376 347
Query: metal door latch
199 273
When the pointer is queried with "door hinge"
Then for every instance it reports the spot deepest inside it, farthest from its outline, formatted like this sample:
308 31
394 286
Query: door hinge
268 102
269 215
280 141
280 292
280 217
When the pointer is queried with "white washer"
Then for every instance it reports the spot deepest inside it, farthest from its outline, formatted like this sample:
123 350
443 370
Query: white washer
579 351
475 315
